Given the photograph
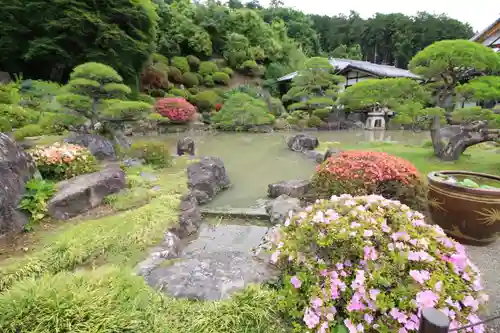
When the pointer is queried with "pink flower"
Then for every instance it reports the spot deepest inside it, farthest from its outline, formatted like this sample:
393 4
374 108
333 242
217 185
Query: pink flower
368 233
471 302
296 282
275 256
317 302
420 276
426 299
413 323
374 293
311 318
355 304
368 318
370 253
473 319
398 315
353 328
419 256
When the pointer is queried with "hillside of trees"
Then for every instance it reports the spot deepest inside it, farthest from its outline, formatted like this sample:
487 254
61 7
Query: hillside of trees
46 40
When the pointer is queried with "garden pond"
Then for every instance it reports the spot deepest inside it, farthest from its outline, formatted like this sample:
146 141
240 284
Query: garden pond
253 161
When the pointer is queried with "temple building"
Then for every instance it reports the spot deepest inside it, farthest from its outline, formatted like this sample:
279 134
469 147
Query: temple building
490 36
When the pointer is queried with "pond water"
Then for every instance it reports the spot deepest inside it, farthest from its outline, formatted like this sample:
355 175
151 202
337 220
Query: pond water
255 160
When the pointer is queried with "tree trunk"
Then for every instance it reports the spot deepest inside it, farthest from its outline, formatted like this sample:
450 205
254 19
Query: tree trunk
469 135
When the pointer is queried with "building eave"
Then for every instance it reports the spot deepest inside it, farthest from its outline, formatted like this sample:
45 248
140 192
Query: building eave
483 32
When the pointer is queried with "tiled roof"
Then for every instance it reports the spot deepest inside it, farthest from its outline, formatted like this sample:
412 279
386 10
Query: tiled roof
343 65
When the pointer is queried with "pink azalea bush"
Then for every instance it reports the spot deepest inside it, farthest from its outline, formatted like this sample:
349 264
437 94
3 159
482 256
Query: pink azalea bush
63 161
175 108
369 264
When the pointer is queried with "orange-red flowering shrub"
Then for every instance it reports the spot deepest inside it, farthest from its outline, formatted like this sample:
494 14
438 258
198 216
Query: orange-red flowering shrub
175 109
367 172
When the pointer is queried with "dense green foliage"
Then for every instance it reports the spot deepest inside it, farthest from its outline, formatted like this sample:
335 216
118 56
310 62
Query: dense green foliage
242 112
387 92
46 40
155 153
314 87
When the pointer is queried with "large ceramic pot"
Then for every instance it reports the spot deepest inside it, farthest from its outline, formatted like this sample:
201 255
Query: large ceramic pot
470 215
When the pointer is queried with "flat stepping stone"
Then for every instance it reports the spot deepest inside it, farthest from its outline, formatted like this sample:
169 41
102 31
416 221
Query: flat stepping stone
215 265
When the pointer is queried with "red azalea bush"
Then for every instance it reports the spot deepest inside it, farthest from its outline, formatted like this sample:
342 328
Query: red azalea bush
367 172
175 109
218 106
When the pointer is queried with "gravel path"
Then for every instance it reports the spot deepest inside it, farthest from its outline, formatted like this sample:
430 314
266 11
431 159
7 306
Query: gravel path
487 259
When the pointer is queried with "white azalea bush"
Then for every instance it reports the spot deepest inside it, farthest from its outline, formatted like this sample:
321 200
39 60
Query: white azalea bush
368 264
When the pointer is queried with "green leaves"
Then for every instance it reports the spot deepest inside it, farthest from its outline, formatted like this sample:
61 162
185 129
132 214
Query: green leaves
34 201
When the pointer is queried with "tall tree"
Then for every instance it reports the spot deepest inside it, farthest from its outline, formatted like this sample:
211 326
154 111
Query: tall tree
451 62
46 39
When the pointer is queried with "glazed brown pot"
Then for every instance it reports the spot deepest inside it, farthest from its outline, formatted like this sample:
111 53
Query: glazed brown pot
470 215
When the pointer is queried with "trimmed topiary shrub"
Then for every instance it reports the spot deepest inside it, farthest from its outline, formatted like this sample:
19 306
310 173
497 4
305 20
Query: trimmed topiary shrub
221 78
174 74
207 68
154 76
180 63
179 92
228 71
369 264
175 109
208 81
242 112
155 153
194 63
29 131
369 172
207 100
63 161
159 58
251 68
194 90
314 121
321 113
276 107
190 79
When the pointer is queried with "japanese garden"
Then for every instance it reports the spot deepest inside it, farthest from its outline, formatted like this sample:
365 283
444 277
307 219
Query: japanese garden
207 167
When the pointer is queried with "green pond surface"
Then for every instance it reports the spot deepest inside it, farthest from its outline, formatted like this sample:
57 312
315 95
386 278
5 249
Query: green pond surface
253 161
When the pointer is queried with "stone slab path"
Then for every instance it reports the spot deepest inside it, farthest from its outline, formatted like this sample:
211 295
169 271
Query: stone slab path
487 259
216 264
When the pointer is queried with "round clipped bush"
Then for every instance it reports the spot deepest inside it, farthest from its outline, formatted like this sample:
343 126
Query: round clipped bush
314 121
207 100
194 90
251 68
190 79
194 63
321 113
180 63
63 161
29 131
179 92
221 78
228 71
155 153
207 68
208 81
369 264
242 112
174 74
175 109
369 172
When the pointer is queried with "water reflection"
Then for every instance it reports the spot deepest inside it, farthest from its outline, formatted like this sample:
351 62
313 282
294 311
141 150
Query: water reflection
255 160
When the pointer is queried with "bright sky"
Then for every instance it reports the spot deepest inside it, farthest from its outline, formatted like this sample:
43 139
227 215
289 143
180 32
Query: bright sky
478 13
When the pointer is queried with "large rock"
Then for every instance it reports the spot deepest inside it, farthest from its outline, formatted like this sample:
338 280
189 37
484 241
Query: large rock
168 249
302 142
98 145
79 194
185 146
16 167
189 217
217 264
292 188
206 178
279 209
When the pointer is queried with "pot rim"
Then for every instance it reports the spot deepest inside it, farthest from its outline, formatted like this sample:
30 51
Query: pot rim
431 176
